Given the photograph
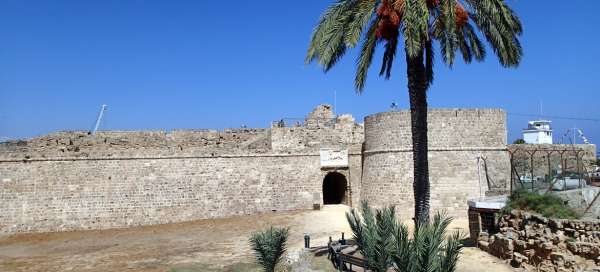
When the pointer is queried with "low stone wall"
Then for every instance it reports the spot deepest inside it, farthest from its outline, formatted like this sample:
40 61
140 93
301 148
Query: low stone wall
536 243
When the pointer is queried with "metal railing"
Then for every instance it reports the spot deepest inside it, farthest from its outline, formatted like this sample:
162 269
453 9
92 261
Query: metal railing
304 122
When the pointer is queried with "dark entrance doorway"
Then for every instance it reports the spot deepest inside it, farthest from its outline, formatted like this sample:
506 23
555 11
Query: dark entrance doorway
334 188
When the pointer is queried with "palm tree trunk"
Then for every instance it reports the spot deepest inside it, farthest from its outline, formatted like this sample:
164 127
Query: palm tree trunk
417 90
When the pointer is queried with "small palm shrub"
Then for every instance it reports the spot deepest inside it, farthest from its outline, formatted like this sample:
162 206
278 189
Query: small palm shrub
269 246
386 243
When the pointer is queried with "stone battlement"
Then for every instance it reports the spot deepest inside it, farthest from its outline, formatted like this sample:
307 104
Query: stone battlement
447 128
313 134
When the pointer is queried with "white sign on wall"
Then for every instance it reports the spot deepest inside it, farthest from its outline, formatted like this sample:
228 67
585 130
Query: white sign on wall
334 158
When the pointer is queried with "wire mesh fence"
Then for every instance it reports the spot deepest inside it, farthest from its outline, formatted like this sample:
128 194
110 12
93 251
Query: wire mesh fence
554 169
544 168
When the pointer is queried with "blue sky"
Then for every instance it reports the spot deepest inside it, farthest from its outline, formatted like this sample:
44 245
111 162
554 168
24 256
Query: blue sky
218 64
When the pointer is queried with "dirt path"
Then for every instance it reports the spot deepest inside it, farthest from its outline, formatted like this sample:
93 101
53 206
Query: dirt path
218 243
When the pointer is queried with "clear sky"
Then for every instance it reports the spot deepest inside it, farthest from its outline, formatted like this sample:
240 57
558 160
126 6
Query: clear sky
219 64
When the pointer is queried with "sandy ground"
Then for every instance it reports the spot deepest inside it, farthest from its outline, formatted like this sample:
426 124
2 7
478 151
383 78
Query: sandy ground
204 243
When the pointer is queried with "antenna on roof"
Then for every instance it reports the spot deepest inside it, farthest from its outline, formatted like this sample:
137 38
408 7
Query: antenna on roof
100 115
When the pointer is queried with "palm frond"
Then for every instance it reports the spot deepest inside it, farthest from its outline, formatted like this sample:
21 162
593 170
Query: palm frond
327 42
415 26
402 249
451 252
463 45
366 56
355 222
325 22
269 246
339 28
388 57
447 37
477 48
362 14
500 27
508 16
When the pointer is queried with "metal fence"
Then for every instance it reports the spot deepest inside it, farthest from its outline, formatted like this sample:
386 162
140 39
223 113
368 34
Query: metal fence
542 169
548 170
304 122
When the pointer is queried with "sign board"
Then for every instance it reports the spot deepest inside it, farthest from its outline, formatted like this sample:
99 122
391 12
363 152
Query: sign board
334 158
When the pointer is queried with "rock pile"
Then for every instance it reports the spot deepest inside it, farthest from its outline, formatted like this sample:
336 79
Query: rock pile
536 243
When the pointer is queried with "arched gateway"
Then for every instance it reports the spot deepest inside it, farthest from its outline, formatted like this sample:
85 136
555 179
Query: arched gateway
334 188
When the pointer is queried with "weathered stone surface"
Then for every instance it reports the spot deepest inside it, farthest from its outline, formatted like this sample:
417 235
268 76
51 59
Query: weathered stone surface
501 246
520 246
556 245
558 258
484 236
483 245
74 181
456 139
518 259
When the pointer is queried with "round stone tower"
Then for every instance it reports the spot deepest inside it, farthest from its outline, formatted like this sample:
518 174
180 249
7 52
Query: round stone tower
467 158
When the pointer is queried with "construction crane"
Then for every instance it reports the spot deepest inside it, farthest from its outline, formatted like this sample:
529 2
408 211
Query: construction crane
100 115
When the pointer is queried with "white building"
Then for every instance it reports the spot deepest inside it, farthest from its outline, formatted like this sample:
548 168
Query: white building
538 132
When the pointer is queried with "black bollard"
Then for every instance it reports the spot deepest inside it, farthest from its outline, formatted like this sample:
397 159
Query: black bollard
342 241
306 241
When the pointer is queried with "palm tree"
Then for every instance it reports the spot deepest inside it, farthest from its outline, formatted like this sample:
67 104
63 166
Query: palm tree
451 23
385 243
269 246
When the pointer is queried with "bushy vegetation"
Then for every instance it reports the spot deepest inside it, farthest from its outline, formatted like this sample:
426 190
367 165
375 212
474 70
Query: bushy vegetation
269 246
519 141
547 205
386 243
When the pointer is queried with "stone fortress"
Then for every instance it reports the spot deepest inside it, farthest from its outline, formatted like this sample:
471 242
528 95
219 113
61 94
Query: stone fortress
75 181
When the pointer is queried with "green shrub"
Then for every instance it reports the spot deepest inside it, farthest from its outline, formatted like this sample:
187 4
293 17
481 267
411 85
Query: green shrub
519 141
269 246
547 205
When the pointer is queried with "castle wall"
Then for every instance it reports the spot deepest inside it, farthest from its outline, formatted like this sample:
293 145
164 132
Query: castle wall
72 181
58 195
456 139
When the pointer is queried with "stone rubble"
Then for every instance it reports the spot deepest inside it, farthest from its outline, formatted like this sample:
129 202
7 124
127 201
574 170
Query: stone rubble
536 243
